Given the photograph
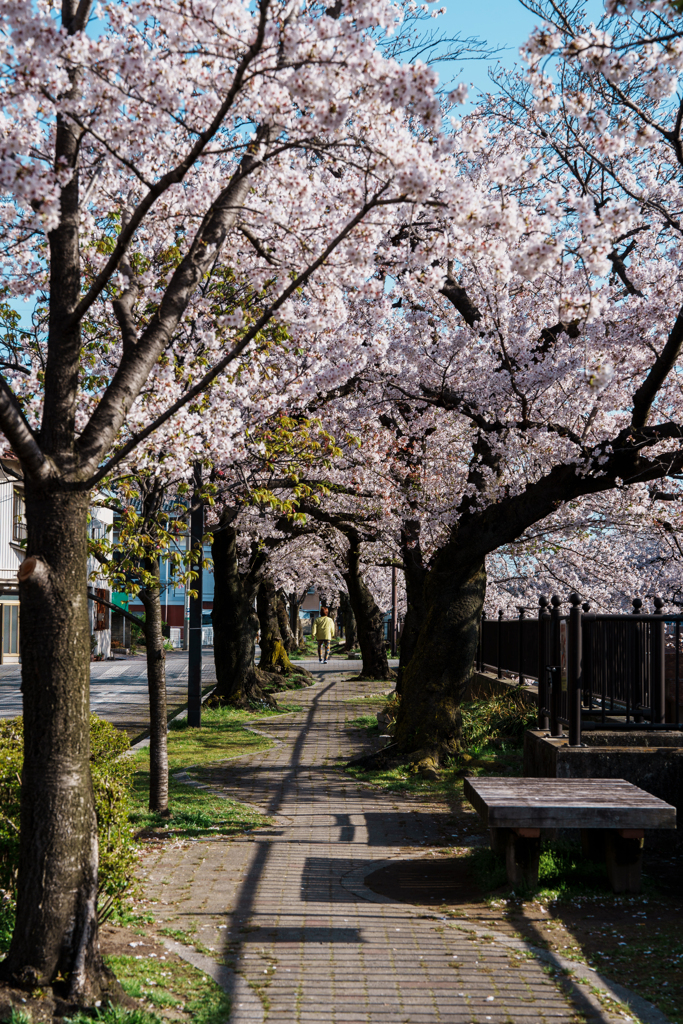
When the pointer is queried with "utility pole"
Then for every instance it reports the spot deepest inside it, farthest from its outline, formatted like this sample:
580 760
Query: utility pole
393 612
194 661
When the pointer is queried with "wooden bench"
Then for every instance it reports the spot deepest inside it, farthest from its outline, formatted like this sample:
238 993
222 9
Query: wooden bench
611 814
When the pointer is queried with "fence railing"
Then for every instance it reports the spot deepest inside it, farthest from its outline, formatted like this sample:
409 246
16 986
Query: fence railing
619 670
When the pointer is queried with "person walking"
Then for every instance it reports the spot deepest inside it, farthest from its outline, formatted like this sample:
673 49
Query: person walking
323 631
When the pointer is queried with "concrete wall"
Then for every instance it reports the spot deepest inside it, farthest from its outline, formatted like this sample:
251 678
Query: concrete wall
485 684
653 761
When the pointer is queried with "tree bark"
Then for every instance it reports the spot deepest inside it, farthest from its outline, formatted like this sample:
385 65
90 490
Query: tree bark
415 574
367 614
156 685
288 638
56 922
350 628
435 678
274 657
295 620
235 625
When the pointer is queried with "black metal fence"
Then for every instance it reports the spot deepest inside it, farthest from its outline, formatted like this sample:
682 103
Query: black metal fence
618 670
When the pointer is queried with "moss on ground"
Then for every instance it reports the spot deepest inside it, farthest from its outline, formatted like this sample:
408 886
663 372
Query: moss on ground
198 812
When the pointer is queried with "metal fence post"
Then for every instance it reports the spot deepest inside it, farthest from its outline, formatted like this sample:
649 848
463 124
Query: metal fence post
522 613
555 693
574 671
500 643
637 698
543 627
658 665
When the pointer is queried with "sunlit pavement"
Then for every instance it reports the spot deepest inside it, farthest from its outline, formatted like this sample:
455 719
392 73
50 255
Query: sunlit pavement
286 908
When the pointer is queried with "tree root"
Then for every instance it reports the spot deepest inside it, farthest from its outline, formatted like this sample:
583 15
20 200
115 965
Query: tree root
51 1005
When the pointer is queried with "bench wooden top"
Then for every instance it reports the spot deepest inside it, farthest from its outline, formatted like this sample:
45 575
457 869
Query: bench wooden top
567 803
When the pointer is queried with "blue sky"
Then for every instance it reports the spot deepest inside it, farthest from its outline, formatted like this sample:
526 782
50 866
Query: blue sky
500 23
503 23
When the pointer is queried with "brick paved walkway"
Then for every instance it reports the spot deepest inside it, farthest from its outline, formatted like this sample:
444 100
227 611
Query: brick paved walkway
287 908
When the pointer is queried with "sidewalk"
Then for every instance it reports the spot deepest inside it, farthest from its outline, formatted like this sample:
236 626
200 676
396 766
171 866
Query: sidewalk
287 909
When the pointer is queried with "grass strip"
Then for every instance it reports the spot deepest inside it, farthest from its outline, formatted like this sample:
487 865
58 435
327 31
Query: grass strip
196 812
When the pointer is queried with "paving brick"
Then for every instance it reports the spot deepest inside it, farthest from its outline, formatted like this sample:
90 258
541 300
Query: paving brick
289 897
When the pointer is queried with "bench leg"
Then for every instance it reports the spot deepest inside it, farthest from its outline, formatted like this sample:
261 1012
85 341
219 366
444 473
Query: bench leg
499 840
624 856
522 853
593 843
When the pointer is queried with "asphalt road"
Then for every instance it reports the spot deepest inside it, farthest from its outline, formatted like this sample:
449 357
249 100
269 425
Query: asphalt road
118 689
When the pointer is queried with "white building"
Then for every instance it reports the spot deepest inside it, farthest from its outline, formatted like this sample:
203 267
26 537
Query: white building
12 536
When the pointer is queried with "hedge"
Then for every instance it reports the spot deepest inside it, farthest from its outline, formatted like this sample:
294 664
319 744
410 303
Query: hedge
112 777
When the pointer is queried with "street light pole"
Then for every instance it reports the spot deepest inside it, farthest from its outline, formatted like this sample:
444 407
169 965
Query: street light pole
194 661
393 611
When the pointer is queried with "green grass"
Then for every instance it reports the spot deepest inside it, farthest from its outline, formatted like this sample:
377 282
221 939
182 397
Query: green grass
195 812
492 737
367 722
372 699
564 873
171 984
161 985
114 1015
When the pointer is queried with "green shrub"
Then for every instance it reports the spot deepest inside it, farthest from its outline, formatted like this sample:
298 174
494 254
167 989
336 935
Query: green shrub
509 716
112 777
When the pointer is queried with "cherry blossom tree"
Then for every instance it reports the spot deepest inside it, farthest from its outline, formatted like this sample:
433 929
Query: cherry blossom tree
549 319
134 158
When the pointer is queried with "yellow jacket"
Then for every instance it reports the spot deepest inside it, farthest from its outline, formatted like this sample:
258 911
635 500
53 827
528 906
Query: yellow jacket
323 628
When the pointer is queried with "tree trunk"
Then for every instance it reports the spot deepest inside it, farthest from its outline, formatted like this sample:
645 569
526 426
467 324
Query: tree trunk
350 628
435 679
235 626
274 656
156 685
415 574
368 618
288 638
56 922
295 621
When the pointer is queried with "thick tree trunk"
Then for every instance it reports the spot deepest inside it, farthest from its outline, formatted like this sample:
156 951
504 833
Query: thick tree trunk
350 628
435 679
156 685
274 656
56 921
288 638
368 618
415 575
235 626
295 621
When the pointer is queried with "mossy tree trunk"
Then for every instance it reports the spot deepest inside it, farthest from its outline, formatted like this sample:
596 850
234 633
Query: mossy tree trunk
350 628
288 638
368 617
156 685
415 573
274 656
435 679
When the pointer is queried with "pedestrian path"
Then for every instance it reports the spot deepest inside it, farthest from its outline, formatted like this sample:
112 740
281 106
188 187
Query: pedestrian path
287 907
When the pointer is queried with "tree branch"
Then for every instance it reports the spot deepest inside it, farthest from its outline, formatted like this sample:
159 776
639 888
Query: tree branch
664 363
19 434
172 177
218 368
